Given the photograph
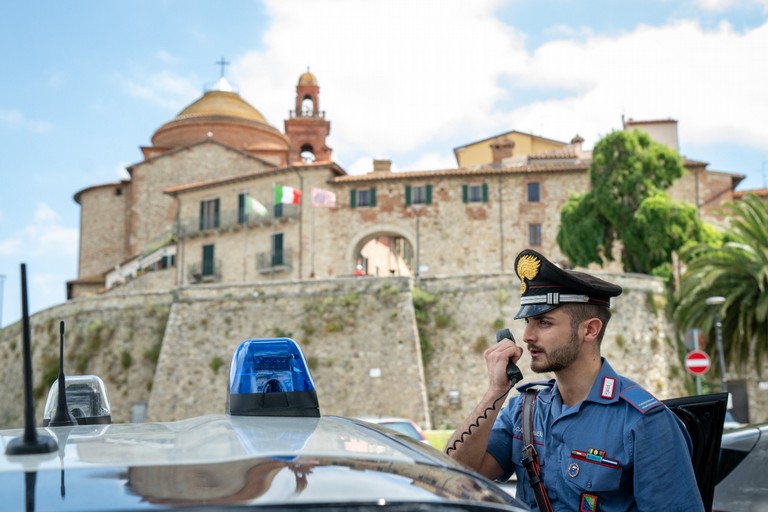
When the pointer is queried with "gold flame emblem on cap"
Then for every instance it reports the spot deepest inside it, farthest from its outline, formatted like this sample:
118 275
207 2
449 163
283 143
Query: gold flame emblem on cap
527 268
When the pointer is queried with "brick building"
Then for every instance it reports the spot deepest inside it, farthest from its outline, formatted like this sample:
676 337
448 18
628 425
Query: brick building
200 207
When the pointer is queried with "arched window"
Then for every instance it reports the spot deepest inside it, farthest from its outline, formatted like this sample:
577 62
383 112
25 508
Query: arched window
307 154
307 106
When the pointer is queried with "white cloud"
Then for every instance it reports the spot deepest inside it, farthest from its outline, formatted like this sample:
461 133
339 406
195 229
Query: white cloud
44 235
164 89
16 118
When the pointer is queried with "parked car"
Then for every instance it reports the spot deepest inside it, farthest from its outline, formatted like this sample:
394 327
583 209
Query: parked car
400 425
742 482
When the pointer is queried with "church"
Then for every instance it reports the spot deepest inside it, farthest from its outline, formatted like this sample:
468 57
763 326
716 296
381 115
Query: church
222 196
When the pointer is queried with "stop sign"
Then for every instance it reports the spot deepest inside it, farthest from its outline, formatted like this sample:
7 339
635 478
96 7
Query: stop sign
697 362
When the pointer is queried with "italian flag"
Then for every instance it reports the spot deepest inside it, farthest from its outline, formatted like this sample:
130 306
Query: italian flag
287 195
252 205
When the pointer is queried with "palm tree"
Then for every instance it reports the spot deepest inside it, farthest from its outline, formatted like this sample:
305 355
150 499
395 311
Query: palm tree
737 269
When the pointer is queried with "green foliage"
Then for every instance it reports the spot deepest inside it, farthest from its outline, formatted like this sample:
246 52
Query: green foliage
735 268
498 324
126 359
627 203
479 345
620 342
216 364
279 332
422 302
152 354
312 363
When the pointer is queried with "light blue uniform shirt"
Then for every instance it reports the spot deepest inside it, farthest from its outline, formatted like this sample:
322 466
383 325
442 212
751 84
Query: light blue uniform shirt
620 449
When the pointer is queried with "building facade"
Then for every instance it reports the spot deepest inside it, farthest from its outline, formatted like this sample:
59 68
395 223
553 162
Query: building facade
201 207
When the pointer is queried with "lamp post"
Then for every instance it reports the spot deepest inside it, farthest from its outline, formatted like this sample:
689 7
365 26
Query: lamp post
417 210
717 302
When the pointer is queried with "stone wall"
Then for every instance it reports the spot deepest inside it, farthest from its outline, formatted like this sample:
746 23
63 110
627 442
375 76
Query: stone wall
359 335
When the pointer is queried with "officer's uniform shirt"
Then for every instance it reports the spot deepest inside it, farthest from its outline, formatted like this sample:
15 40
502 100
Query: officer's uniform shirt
619 449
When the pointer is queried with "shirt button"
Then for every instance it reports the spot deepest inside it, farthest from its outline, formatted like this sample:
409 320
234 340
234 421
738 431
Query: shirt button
589 485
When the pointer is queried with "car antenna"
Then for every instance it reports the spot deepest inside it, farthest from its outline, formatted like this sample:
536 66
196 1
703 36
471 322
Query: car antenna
30 442
62 418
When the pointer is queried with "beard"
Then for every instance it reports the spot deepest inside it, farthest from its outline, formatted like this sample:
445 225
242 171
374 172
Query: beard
559 358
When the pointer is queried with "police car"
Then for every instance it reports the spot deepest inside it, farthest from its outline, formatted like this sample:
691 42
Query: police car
273 450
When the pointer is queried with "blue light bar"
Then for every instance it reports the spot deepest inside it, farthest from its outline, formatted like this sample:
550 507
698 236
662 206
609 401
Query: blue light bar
269 377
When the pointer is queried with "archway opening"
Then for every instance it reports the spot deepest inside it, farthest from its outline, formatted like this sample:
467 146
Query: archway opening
307 153
383 255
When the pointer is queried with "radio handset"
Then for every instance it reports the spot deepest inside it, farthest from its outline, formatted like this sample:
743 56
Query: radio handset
513 372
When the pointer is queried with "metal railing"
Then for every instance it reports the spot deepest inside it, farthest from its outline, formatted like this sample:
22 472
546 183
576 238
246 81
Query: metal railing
274 262
232 220
306 113
199 273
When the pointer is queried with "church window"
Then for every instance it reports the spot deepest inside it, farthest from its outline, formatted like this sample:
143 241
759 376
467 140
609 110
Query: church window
534 193
418 195
362 197
209 214
474 193
307 153
307 107
534 234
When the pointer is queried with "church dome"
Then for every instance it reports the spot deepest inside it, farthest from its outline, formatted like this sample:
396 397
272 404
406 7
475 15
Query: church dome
308 79
221 113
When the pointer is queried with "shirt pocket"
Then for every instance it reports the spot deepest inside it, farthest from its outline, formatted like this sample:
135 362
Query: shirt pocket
592 476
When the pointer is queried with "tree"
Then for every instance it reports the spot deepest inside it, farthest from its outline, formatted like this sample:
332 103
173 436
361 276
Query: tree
737 269
627 203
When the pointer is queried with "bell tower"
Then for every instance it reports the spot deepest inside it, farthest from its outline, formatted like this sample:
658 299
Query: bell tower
307 128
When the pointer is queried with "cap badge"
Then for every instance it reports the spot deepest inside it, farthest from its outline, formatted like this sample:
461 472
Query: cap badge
527 268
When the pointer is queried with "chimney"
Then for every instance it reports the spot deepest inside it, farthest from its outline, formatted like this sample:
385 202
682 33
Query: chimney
501 149
382 165
576 143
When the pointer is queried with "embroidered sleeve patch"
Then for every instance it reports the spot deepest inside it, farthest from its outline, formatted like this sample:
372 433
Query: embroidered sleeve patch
640 399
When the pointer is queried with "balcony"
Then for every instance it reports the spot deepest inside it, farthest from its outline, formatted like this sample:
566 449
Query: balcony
307 114
231 220
204 273
273 262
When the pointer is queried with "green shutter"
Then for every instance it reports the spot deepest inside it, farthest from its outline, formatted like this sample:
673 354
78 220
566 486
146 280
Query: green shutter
465 193
208 267
216 213
407 195
353 198
429 194
202 215
373 196
241 208
485 192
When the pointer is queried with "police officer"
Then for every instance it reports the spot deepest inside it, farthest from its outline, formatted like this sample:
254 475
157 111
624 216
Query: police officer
599 441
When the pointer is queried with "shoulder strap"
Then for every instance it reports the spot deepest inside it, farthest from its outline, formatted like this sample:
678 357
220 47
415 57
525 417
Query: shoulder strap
530 457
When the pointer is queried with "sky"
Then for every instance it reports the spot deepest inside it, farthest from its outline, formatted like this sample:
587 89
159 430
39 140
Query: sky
85 84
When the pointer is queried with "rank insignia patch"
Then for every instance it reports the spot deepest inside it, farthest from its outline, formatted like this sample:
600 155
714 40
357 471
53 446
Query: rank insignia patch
573 470
588 503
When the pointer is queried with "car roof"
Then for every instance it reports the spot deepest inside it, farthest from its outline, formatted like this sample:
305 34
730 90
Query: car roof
220 460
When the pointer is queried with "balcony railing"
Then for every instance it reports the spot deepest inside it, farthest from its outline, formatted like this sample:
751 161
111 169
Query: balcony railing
232 220
200 273
273 262
304 114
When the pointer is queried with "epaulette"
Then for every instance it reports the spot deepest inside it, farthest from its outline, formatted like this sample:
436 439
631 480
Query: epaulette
548 383
641 399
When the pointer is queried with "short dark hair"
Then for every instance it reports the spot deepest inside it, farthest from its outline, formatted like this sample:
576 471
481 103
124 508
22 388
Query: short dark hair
579 312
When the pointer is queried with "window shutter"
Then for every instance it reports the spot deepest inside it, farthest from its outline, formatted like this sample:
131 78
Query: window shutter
429 194
465 193
373 196
353 198
485 192
202 215
241 208
216 214
407 195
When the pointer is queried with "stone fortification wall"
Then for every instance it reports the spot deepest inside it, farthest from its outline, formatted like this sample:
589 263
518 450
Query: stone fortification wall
359 336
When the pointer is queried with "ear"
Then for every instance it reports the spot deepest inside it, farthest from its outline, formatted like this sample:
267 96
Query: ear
591 328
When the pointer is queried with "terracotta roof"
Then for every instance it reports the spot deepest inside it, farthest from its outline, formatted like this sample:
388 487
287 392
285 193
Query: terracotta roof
565 152
759 192
479 171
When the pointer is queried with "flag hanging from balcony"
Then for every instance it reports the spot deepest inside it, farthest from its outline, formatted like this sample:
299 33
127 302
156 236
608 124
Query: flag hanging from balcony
322 197
287 195
252 205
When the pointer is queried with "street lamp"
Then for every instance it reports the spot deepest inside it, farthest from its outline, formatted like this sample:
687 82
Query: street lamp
719 301
417 209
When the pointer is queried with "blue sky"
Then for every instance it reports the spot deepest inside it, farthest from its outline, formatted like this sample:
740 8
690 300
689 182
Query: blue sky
85 83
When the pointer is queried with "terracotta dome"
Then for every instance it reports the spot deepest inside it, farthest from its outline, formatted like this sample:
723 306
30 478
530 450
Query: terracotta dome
226 117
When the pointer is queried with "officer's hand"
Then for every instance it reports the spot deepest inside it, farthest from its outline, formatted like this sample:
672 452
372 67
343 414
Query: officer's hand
496 359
